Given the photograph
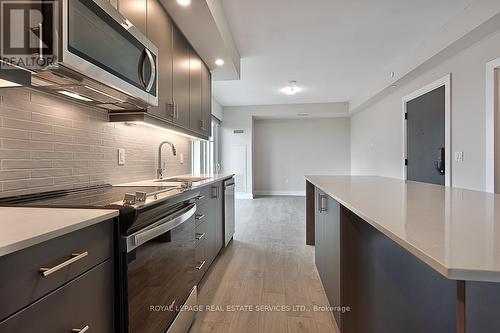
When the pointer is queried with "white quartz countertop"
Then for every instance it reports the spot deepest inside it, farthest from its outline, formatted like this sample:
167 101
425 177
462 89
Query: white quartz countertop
211 178
455 231
25 227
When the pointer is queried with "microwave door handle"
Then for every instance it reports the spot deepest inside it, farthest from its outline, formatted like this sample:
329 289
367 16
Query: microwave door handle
159 228
153 70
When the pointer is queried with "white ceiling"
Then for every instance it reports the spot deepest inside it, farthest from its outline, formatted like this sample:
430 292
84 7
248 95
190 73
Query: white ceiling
332 48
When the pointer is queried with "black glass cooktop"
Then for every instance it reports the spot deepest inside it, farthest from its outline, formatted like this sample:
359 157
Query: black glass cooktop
89 197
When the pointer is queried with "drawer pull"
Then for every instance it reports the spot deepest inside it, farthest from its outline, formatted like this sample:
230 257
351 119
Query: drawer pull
199 216
81 330
200 197
75 258
200 236
201 265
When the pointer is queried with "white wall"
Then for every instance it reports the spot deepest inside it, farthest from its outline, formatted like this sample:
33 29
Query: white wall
376 132
241 118
217 109
287 149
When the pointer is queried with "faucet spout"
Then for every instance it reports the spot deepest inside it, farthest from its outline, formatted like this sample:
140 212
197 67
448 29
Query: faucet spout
161 166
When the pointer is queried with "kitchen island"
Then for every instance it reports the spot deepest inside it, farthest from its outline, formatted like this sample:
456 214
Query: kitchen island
406 256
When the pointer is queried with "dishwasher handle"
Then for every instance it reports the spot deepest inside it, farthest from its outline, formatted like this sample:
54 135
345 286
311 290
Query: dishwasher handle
159 228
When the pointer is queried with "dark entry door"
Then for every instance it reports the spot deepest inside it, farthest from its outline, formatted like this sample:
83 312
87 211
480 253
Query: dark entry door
426 137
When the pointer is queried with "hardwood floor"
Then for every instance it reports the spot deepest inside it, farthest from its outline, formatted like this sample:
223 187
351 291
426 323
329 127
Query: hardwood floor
266 267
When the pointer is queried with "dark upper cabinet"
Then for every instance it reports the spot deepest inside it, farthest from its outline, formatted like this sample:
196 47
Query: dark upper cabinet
184 81
195 94
181 92
206 101
159 28
135 12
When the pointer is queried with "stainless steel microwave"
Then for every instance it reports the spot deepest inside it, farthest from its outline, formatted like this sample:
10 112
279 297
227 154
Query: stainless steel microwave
102 58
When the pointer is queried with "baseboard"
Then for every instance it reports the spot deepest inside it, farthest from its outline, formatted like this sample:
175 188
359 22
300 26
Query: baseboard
282 193
242 195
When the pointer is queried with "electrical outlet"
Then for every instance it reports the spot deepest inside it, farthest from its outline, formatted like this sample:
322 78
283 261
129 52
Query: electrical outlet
121 156
181 158
459 156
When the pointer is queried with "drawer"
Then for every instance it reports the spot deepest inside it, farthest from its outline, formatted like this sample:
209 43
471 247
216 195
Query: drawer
201 257
21 280
204 195
85 301
201 233
201 213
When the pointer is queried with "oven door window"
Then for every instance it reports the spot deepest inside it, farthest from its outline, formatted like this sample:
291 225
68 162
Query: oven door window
161 273
96 37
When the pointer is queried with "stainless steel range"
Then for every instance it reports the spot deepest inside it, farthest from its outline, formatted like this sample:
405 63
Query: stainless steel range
155 262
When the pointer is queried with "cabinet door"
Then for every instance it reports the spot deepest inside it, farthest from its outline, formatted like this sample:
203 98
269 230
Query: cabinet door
181 54
160 33
206 101
331 221
135 12
195 116
319 232
219 216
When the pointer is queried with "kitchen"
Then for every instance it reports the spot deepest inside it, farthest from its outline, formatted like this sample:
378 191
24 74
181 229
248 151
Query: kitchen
216 166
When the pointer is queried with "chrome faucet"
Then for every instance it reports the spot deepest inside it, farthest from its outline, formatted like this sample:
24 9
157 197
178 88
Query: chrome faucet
161 166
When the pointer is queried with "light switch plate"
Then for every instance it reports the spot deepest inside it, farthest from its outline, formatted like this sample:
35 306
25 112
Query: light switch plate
181 158
459 156
121 156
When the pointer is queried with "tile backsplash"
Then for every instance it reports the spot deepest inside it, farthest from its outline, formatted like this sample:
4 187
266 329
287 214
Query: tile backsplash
49 143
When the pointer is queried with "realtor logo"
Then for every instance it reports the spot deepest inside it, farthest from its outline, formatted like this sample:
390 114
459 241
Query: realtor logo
29 33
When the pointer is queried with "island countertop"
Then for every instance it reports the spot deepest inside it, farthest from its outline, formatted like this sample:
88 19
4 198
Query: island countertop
454 231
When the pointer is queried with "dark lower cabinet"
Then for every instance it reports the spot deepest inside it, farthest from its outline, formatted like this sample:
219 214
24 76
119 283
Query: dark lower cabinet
482 307
209 226
327 250
87 301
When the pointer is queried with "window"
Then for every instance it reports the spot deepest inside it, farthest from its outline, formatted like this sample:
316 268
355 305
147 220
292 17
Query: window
206 154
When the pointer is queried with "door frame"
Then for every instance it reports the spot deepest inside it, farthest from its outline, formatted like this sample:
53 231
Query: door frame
491 120
446 82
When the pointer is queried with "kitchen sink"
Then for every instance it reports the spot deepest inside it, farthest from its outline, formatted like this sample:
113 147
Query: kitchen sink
182 179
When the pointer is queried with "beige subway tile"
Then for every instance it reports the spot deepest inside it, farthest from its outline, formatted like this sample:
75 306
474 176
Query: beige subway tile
53 155
27 183
14 154
87 140
70 131
87 156
71 179
71 164
26 145
38 136
26 125
14 134
44 173
14 113
25 164
15 93
71 147
51 120
15 174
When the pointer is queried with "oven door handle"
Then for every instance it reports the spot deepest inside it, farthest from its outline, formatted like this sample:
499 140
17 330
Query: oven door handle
159 228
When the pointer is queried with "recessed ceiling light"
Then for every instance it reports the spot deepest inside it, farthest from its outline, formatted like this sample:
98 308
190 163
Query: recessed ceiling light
184 3
219 62
292 88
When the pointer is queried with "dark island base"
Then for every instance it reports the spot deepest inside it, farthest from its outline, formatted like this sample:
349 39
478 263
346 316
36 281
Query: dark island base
389 290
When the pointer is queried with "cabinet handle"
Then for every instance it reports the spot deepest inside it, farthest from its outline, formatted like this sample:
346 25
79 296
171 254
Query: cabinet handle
75 258
176 111
321 201
200 236
215 192
81 330
201 265
199 216
200 197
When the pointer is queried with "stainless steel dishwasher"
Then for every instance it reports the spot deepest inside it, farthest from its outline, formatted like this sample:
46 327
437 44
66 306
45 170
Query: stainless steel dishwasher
229 215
